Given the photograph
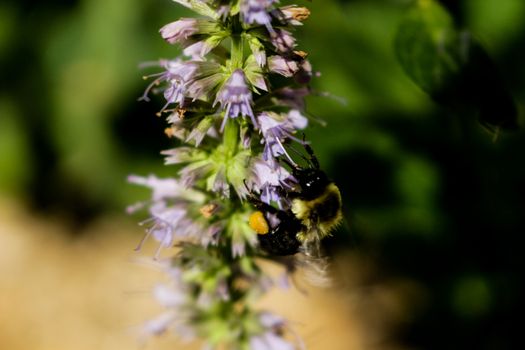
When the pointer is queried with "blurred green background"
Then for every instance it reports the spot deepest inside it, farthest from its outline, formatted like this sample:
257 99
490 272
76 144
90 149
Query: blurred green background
431 197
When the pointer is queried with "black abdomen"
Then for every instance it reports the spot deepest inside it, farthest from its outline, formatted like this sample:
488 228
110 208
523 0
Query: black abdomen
281 243
282 239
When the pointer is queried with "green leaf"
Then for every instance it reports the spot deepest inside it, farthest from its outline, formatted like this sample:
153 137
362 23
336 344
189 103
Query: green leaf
451 66
200 7
426 47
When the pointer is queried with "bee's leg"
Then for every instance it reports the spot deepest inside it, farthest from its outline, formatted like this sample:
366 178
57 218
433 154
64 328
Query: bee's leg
248 189
296 171
255 201
262 206
287 194
290 164
253 197
313 159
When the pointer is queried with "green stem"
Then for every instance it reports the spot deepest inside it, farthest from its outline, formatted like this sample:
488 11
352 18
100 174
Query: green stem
231 136
237 49
237 52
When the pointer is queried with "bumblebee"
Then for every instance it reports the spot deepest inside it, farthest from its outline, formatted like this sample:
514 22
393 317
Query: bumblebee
314 212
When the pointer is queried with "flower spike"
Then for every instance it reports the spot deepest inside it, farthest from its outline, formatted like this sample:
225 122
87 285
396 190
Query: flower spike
234 198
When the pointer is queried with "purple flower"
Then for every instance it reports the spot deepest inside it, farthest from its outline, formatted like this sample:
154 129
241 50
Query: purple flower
223 11
183 155
194 171
179 31
174 297
162 188
220 185
283 66
169 296
159 325
293 98
198 50
170 220
236 98
270 339
257 11
293 66
276 128
282 40
297 120
178 75
171 223
269 179
185 79
241 237
269 320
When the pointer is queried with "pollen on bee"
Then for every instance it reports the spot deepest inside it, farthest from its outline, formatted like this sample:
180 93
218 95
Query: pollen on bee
258 223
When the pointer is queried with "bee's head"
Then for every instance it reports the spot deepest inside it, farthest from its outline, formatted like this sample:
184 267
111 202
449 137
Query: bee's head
313 182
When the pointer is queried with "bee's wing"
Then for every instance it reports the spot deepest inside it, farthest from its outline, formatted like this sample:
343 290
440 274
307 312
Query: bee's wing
312 247
315 270
314 264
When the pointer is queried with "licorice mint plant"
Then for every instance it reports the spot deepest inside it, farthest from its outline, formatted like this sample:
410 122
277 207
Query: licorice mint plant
235 101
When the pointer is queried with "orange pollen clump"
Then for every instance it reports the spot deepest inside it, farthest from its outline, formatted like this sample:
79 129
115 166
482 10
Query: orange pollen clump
258 223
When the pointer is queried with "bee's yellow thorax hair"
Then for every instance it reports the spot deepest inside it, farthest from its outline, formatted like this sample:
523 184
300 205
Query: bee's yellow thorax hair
319 215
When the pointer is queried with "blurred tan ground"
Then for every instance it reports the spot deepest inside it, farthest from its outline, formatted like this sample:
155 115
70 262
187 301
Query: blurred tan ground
64 291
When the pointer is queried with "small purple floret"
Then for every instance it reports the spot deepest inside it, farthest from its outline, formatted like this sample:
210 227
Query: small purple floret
236 98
